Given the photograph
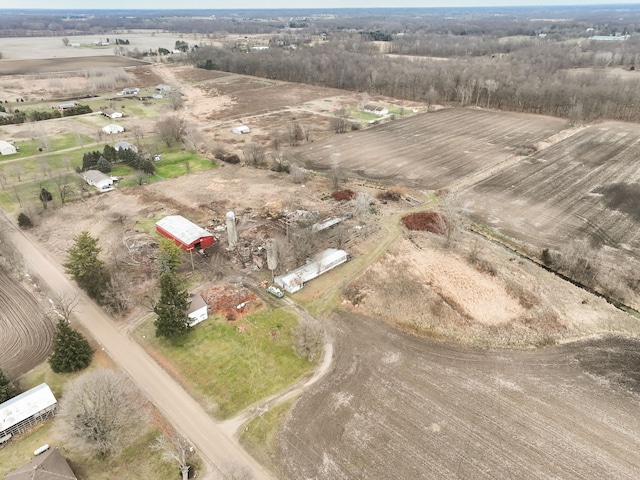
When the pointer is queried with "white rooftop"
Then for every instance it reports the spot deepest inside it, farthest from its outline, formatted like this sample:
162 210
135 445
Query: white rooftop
25 405
182 229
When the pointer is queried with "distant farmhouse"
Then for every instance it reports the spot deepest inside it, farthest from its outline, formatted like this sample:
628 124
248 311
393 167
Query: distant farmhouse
376 110
130 91
125 146
20 413
99 180
111 113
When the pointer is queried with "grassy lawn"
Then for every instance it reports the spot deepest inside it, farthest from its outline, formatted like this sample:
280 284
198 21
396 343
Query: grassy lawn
137 461
59 142
259 435
233 369
176 162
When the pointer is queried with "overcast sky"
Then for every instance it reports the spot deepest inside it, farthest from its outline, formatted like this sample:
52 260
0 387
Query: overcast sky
261 4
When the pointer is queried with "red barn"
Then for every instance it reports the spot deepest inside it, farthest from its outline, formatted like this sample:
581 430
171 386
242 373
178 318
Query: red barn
184 233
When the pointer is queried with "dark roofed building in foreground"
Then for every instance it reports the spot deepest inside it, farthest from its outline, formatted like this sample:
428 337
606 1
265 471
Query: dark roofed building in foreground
50 465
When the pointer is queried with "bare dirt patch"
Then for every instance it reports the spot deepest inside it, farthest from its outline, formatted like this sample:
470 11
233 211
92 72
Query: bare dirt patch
231 302
401 407
431 150
31 67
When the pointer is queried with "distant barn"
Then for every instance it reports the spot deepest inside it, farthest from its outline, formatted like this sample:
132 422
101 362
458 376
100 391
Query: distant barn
184 233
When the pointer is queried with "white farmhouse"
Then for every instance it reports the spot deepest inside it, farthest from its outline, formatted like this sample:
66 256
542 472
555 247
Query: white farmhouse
97 179
198 310
376 110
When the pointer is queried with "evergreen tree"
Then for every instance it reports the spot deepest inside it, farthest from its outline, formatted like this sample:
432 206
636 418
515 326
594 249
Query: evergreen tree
172 321
24 221
103 165
7 389
86 268
169 257
71 351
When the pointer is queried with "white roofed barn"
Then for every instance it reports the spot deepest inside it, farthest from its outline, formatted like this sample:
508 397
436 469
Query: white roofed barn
184 233
20 413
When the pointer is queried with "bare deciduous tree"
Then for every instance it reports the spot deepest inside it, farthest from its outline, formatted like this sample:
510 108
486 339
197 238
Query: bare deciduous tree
101 412
171 129
63 305
3 179
64 189
308 339
452 218
236 472
254 154
176 449
341 121
335 175
298 174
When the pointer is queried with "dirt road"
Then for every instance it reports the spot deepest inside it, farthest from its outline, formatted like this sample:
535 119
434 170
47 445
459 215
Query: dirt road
396 406
219 450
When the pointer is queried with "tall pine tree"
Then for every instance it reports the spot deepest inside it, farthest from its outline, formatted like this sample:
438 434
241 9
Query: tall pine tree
71 351
86 268
172 321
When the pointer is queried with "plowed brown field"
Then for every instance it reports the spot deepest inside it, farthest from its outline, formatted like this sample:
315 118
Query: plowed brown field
431 150
398 407
25 332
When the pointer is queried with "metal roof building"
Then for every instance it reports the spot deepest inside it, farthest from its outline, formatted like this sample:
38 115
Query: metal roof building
27 409
184 233
295 279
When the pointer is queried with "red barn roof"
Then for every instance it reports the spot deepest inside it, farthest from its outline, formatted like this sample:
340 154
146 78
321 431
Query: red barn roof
184 232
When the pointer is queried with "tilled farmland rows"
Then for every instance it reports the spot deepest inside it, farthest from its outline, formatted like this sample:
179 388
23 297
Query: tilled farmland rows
432 150
25 332
568 191
400 407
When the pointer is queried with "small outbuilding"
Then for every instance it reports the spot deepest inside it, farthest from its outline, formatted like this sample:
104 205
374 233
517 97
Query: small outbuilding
185 233
112 128
97 179
130 91
7 148
198 310
50 465
161 87
125 146
19 414
66 106
242 129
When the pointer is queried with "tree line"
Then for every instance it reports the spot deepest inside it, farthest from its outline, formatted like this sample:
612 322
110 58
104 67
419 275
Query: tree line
540 77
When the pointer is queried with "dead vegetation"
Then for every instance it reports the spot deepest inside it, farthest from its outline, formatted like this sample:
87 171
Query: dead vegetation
231 302
425 221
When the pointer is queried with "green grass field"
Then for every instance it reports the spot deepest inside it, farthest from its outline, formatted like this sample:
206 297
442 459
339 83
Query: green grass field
230 368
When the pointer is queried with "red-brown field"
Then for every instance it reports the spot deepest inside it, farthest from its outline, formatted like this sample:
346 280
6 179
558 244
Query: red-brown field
432 150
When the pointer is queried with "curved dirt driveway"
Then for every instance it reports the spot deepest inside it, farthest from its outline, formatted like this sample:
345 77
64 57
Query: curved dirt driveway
218 449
